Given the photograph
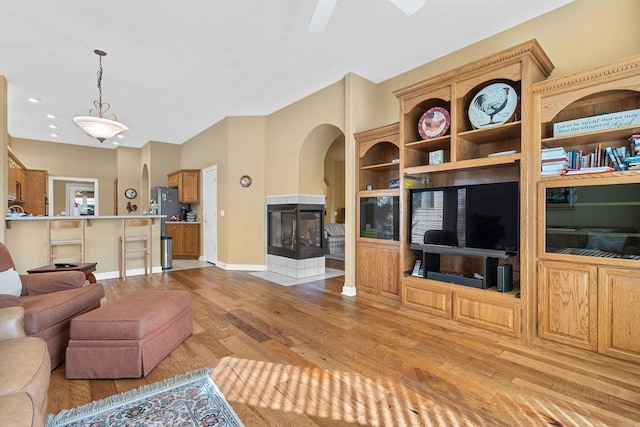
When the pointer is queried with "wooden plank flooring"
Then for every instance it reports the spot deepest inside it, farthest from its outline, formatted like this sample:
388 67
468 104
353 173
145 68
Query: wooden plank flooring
306 355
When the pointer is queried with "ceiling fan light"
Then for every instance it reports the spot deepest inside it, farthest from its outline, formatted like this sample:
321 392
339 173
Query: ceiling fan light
321 15
409 7
98 127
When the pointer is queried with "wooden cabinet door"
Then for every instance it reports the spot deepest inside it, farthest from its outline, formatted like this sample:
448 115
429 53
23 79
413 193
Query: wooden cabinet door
175 232
173 180
389 271
36 192
189 190
367 268
567 304
190 240
619 313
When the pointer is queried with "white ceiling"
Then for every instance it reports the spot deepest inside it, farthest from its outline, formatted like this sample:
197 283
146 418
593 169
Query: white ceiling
175 68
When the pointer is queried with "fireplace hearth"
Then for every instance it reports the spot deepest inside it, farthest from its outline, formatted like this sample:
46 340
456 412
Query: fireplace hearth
295 243
295 231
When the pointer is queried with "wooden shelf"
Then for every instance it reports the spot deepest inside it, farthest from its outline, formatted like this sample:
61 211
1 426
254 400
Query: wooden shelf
427 145
492 134
614 177
391 192
381 167
465 164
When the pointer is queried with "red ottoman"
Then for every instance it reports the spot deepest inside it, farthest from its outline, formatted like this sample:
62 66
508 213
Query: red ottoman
128 337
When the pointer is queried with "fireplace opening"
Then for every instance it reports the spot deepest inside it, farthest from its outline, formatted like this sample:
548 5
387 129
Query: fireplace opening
295 231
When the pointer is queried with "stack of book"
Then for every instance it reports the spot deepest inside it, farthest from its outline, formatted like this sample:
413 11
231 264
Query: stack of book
554 160
633 163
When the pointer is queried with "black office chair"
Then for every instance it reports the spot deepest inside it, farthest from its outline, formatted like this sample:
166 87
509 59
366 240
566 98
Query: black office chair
440 237
431 262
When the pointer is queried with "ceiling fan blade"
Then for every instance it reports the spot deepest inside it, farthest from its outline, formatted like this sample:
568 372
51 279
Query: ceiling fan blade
408 6
321 15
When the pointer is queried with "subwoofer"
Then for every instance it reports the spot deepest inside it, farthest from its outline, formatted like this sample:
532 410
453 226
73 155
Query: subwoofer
505 278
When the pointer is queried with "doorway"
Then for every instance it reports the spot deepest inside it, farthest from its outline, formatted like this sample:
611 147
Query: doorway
209 213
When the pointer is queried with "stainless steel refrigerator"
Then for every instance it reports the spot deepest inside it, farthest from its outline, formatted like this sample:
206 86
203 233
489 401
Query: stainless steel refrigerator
168 204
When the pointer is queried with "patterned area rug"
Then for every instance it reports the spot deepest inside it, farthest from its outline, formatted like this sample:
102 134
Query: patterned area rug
191 399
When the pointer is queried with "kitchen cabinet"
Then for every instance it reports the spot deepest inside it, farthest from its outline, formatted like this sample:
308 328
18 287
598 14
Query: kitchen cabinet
36 192
15 180
187 181
186 239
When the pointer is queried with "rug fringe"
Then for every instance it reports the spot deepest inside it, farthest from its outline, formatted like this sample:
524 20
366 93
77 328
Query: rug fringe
70 415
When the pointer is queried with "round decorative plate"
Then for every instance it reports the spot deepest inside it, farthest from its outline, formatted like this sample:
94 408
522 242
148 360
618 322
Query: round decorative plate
493 105
434 122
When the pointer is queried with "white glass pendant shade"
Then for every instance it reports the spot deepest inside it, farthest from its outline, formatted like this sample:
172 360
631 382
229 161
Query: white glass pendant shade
99 127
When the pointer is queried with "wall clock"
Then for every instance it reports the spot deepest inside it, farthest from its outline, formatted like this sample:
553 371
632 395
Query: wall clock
245 180
130 193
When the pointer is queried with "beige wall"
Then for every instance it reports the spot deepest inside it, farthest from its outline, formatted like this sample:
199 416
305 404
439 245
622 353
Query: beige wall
71 161
245 212
128 167
334 169
287 131
210 148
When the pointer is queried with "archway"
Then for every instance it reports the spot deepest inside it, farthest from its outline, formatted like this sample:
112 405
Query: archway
322 169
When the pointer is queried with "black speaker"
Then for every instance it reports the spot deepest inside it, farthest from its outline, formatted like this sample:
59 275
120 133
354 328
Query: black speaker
505 278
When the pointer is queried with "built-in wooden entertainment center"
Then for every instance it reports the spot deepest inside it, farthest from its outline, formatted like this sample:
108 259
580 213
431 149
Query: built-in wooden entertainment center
564 289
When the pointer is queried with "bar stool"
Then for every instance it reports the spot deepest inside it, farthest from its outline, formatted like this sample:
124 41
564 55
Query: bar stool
128 244
59 234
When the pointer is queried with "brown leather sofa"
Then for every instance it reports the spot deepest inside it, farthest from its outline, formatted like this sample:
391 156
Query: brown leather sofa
50 301
25 372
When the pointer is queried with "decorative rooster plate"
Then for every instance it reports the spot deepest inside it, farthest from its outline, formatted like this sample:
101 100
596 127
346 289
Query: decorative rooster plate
493 105
434 122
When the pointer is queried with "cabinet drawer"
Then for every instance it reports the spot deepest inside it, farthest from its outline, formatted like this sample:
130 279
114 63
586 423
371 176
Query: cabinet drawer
493 315
427 297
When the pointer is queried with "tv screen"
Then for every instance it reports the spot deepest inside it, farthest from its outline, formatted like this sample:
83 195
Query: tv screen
484 216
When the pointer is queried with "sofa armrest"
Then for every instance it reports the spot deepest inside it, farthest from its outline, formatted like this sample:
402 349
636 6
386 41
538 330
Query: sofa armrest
9 301
12 323
45 283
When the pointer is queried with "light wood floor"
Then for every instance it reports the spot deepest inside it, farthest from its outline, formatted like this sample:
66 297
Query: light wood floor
307 356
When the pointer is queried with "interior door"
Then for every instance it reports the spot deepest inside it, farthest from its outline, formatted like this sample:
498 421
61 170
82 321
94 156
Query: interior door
209 213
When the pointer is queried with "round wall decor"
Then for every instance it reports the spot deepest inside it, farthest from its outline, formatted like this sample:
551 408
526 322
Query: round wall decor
434 123
130 193
493 105
245 180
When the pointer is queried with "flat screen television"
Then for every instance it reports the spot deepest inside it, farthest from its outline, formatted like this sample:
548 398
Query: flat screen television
483 216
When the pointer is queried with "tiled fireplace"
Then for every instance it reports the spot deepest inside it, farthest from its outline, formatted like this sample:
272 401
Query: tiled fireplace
295 244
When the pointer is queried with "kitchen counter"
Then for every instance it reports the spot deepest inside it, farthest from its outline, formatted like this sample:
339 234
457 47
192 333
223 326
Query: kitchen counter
85 217
26 238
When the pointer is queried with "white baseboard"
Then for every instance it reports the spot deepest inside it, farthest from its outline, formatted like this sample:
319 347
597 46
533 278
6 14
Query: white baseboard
349 291
241 267
134 272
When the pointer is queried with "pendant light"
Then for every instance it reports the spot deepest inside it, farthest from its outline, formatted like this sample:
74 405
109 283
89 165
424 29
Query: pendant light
95 124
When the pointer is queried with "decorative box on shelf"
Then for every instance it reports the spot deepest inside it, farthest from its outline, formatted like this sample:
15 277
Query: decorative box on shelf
436 157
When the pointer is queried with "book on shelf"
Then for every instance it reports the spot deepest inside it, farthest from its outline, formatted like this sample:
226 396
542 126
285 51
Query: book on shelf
553 153
588 170
552 172
560 164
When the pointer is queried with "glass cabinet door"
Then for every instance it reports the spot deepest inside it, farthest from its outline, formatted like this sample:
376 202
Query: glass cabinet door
597 221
